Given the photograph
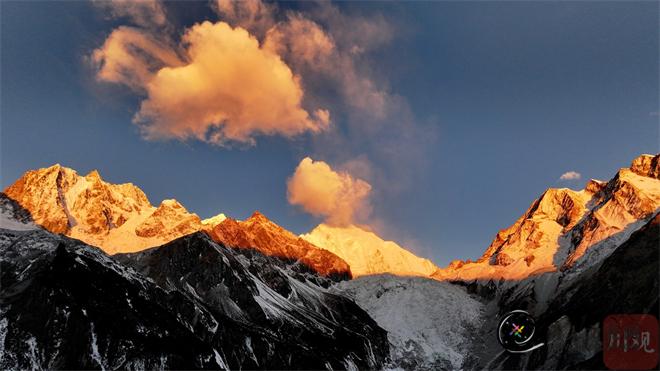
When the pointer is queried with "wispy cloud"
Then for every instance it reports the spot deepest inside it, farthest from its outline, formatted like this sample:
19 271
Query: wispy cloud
570 175
144 13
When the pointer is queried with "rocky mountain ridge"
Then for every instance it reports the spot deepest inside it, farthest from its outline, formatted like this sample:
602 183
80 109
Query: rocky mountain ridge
565 228
118 218
273 240
114 217
189 304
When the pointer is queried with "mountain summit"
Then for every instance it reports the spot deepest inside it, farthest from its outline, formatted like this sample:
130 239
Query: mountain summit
367 253
565 228
114 217
261 233
118 218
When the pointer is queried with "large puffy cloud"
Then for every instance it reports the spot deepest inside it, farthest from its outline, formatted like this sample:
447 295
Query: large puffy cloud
325 49
322 191
224 88
231 89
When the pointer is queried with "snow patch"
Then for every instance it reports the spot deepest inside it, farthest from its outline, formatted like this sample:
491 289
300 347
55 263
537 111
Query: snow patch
7 221
95 347
219 360
3 336
35 361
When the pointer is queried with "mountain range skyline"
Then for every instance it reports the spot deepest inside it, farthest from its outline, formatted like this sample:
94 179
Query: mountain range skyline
319 185
99 266
477 119
560 229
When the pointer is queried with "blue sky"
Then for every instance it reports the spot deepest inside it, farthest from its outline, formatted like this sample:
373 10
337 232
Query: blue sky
504 97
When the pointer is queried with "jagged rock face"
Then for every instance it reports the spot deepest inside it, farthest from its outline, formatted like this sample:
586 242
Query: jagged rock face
646 165
169 221
114 217
186 305
66 305
566 228
258 232
366 253
295 322
571 326
40 191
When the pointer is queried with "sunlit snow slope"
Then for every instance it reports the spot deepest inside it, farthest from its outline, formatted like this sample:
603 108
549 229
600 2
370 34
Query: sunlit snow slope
366 253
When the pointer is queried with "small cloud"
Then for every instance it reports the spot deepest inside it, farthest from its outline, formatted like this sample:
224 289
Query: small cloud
322 191
654 114
570 175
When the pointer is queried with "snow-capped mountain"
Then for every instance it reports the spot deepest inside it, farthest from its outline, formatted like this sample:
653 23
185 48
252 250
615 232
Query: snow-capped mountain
119 218
570 320
114 217
189 304
366 253
566 228
272 301
260 233
607 239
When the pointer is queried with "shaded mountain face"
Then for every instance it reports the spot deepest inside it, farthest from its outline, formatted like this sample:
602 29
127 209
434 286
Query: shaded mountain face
66 305
261 234
366 253
191 303
571 326
569 229
430 324
304 325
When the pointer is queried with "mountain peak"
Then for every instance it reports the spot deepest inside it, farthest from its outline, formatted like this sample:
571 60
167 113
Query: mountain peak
171 203
94 175
214 220
258 216
260 233
366 253
594 186
647 165
113 217
564 228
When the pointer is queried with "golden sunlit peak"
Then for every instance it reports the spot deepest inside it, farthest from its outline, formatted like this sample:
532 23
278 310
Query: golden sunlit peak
94 174
258 215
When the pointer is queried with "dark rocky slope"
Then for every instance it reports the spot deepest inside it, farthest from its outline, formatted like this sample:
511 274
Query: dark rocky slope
282 319
625 283
189 304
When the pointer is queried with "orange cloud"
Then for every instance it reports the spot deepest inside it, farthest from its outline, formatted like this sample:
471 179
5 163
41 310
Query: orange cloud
331 54
224 88
253 15
321 191
131 57
320 54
